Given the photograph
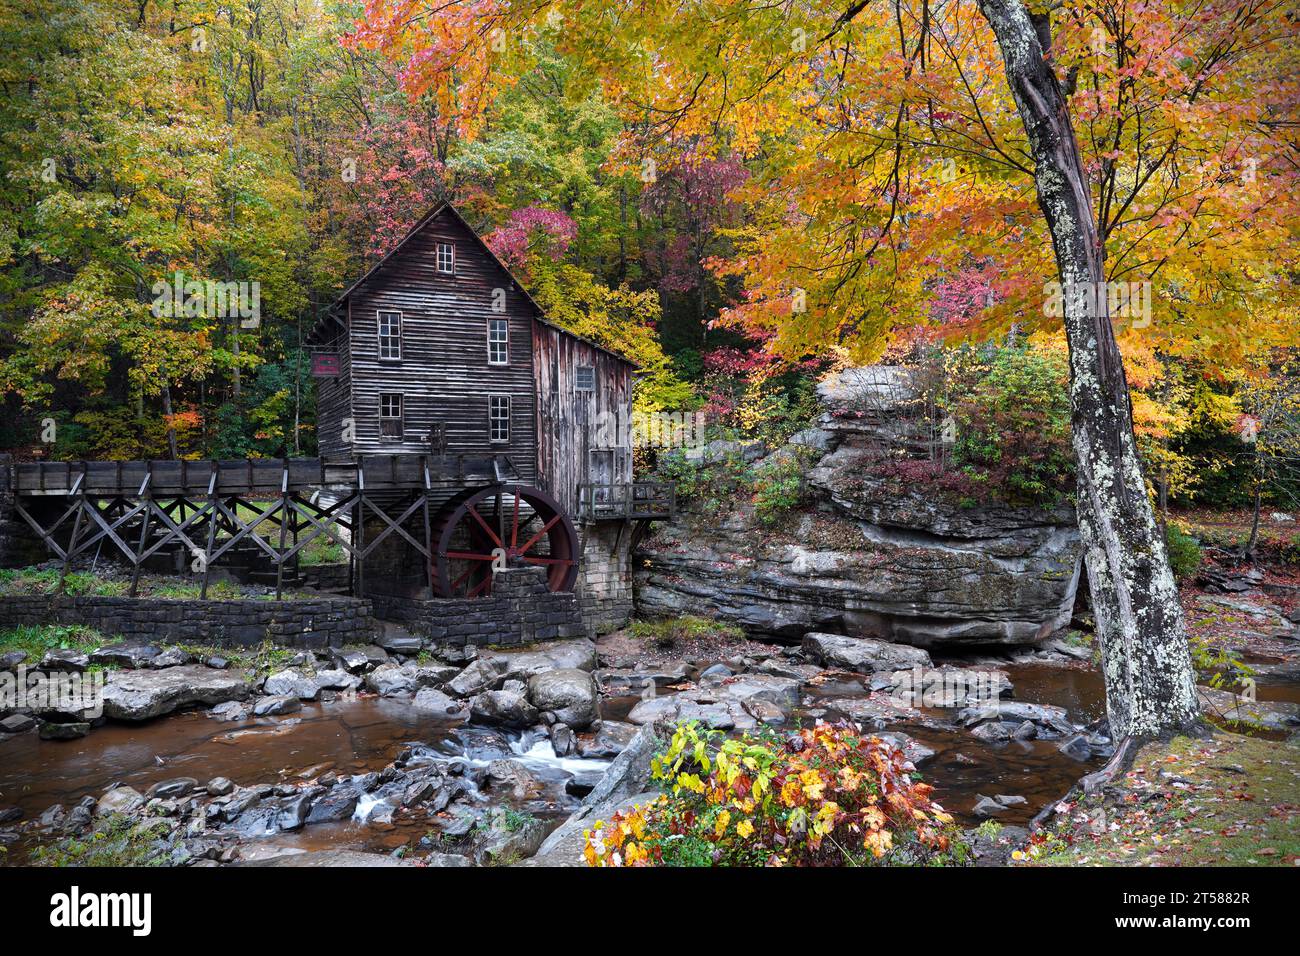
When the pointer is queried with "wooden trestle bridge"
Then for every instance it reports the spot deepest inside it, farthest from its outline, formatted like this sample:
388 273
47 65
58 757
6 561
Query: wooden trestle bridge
463 516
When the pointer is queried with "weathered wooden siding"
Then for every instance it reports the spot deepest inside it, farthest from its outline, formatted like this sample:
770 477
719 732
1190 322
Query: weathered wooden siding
575 424
443 373
334 404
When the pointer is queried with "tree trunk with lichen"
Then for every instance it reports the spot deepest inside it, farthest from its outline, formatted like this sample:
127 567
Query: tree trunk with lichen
1150 684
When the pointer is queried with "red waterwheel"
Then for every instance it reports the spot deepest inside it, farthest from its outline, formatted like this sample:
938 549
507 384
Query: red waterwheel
505 525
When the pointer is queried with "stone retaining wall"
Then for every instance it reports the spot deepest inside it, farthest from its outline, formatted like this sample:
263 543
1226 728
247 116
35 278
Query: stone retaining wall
604 585
310 623
520 610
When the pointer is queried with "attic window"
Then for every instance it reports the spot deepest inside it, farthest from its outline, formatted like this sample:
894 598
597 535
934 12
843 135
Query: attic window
498 338
446 258
584 378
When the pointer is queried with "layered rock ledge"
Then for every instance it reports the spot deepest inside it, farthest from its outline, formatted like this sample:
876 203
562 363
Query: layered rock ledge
872 556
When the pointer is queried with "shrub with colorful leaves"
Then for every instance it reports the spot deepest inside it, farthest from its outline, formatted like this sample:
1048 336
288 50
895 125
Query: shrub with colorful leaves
825 796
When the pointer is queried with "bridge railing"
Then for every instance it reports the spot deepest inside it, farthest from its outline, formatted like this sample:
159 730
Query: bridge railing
646 500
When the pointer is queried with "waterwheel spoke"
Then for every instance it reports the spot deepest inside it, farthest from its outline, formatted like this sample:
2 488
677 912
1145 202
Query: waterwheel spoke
481 536
537 537
469 556
514 524
486 527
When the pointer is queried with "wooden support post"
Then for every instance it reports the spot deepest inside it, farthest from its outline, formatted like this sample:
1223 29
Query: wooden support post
79 492
284 514
359 536
146 495
428 531
212 530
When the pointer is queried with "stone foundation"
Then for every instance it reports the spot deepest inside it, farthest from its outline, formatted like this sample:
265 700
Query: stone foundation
311 623
520 610
604 587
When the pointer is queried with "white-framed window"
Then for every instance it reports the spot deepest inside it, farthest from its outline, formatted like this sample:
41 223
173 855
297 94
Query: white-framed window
499 418
498 331
390 415
447 258
390 336
584 378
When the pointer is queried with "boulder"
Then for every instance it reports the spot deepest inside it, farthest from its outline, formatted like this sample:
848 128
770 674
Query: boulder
513 776
278 705
231 710
219 787
292 682
293 812
394 640
609 740
626 783
65 659
503 707
337 680
17 723
176 787
1048 719
64 731
507 843
351 660
338 804
143 694
391 680
1277 716
434 703
125 655
119 800
479 675
578 654
861 654
564 845
10 660
569 693
876 557
172 657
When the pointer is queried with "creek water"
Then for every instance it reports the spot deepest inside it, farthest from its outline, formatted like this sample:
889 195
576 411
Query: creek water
347 736
363 734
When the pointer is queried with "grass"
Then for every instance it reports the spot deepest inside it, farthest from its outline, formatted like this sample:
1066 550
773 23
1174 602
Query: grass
46 581
1229 800
35 640
669 633
81 583
117 840
265 658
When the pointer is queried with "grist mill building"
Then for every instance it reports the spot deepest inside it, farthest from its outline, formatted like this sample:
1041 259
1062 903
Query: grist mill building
475 466
438 351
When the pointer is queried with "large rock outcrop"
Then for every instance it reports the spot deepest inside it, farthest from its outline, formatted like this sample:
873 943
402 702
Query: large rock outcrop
876 557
